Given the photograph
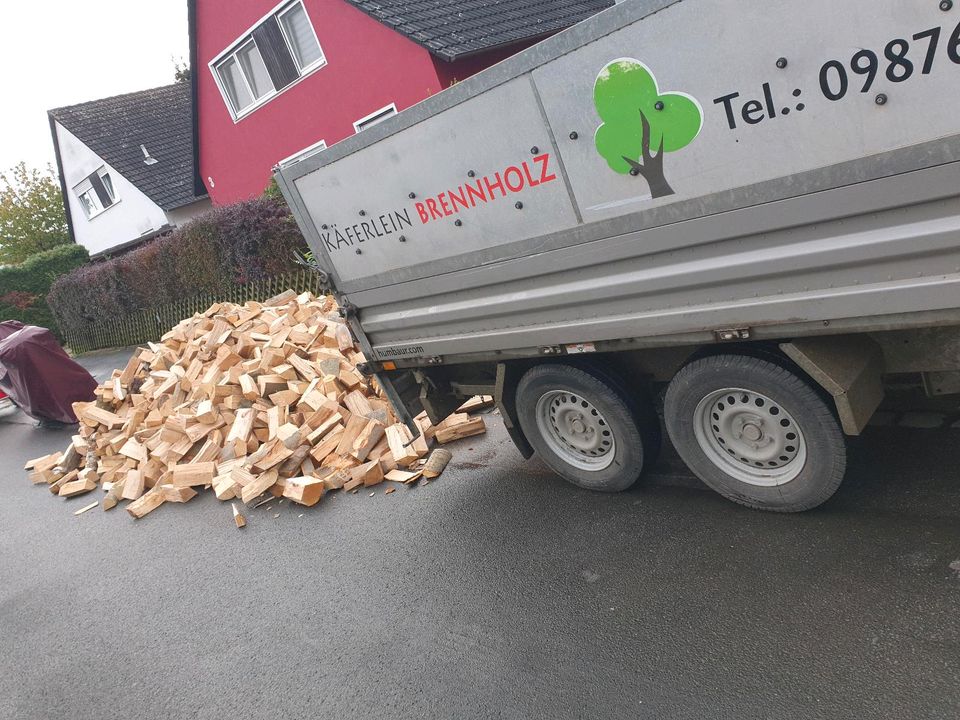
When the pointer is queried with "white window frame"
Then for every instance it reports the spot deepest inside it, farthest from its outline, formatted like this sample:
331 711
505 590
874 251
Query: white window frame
303 154
320 61
358 126
243 73
247 36
234 54
85 186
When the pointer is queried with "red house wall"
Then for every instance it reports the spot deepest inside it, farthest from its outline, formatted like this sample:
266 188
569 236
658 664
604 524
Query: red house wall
368 66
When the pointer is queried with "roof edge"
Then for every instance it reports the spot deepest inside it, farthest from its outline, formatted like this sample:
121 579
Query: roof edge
54 111
454 57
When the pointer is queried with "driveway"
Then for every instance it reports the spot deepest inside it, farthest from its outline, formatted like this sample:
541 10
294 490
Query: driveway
496 591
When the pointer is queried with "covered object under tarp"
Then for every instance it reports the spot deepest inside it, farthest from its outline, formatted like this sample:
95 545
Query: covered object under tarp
39 376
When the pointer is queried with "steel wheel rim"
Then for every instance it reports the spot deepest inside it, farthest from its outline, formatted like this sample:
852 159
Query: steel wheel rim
575 430
750 437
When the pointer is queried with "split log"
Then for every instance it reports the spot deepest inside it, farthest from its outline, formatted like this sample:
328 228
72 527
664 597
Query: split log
147 503
399 438
460 430
304 490
239 519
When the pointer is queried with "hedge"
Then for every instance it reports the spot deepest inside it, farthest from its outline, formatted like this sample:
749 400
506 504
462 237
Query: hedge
24 287
229 245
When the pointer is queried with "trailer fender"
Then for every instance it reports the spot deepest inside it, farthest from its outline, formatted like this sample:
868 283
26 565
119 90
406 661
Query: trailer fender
849 367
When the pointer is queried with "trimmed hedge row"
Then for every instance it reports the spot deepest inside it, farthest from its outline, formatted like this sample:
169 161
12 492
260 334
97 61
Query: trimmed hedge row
229 245
24 287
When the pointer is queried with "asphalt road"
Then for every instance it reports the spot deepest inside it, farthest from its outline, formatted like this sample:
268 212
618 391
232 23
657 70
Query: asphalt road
496 591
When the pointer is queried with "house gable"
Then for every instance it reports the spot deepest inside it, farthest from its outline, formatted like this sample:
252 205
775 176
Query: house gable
146 135
130 216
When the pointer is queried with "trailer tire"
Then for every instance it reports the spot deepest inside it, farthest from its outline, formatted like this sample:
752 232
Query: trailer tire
585 427
755 432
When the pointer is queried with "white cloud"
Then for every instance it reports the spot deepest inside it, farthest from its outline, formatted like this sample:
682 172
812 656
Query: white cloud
61 52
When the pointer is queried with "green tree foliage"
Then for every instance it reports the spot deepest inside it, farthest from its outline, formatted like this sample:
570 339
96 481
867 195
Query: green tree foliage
181 71
272 191
31 213
638 119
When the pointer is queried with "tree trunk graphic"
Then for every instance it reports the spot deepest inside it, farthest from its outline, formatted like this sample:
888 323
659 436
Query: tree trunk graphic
652 167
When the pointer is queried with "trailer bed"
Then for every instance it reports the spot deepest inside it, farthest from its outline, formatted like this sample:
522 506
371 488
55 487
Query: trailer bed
818 195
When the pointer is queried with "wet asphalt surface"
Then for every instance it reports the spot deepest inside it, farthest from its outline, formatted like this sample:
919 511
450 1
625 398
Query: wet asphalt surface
496 591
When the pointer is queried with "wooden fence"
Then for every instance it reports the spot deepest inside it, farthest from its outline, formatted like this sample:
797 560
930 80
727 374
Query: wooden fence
150 323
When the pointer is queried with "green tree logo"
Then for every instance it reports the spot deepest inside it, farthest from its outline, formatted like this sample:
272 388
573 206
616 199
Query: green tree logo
637 117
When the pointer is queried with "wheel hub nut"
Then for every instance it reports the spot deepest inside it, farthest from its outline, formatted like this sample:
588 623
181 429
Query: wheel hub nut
751 432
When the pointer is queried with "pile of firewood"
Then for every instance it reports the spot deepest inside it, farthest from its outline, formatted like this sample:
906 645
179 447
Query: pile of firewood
245 400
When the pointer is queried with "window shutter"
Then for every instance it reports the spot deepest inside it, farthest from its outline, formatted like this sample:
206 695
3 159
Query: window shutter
276 54
100 190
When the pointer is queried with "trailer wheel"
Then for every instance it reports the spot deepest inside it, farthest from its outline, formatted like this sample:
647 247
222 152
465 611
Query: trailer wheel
755 432
585 428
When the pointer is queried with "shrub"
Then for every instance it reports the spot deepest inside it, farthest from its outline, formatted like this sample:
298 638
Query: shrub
272 191
24 287
19 299
228 245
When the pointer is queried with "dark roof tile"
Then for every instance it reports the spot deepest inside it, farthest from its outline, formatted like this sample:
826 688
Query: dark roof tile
452 30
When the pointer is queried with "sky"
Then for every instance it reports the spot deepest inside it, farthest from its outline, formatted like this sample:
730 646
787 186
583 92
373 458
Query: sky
62 52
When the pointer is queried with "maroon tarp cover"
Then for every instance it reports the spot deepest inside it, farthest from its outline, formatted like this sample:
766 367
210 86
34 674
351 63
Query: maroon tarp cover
39 376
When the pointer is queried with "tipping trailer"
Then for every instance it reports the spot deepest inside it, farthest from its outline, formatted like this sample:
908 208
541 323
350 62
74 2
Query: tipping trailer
749 207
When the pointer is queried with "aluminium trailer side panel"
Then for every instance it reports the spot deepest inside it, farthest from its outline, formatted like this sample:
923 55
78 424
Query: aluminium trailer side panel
840 209
366 195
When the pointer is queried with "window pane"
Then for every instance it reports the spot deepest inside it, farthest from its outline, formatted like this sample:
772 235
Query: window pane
89 201
299 32
255 70
233 84
108 184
